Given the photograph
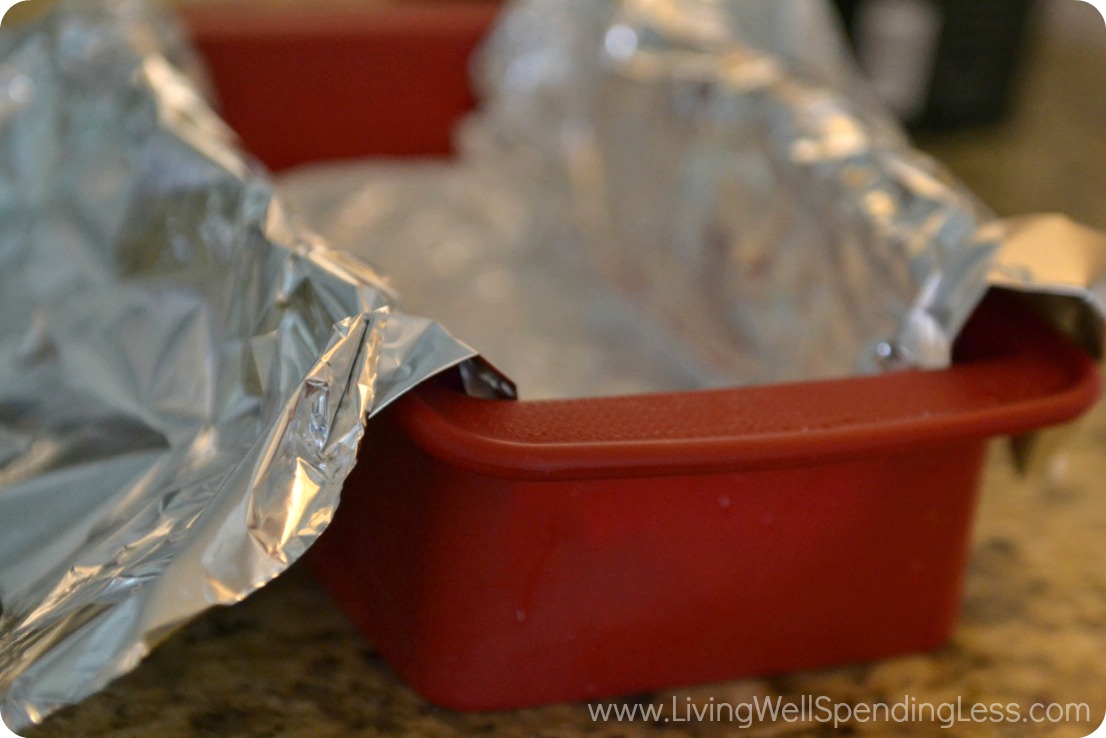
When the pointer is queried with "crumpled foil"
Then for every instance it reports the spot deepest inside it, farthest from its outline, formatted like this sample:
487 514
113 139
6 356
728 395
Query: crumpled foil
184 370
708 183
663 195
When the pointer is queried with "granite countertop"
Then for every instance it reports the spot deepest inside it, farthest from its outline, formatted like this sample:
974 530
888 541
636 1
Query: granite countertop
286 663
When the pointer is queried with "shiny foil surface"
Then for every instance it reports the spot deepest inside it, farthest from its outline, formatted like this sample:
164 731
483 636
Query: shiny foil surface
668 195
722 164
184 370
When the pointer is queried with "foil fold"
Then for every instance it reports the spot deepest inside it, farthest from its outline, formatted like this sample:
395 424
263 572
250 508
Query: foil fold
1061 267
184 369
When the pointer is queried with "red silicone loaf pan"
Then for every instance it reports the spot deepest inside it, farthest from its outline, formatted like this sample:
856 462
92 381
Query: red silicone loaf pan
502 554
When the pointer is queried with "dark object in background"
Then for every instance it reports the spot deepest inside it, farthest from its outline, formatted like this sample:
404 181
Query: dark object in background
940 64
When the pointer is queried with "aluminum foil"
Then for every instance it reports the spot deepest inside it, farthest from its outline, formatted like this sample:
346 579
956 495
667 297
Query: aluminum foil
184 370
740 181
672 194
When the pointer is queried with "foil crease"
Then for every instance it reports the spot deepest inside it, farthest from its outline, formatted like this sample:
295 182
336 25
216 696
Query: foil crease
184 370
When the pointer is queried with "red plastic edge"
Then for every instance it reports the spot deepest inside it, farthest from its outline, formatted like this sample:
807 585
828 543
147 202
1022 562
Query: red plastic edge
1015 374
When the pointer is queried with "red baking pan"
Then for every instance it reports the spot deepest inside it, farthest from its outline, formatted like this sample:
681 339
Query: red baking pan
502 554
335 80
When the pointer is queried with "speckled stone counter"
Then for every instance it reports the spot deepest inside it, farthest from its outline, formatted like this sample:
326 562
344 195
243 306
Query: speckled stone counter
286 663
